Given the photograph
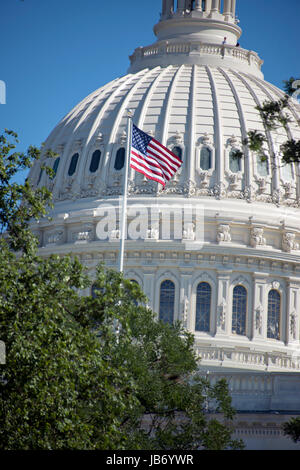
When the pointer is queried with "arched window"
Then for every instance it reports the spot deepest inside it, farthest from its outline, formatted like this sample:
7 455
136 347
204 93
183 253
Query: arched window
235 163
239 310
274 301
203 307
262 166
95 161
166 301
55 166
120 159
73 164
205 158
178 152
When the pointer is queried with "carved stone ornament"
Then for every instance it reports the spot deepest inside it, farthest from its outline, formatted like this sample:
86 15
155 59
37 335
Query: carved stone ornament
289 190
55 237
222 314
206 139
188 232
261 183
276 285
99 139
123 138
288 242
233 179
223 233
185 310
178 138
258 318
83 235
232 141
256 237
293 325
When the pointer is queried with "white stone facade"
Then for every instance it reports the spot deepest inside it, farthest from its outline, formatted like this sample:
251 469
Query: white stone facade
195 94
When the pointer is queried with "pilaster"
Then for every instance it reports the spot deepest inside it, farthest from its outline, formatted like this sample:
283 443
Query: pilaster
223 318
259 306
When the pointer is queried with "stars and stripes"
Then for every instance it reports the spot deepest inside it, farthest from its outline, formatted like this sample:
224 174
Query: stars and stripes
151 158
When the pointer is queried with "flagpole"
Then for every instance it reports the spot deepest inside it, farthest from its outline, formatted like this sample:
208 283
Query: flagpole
125 186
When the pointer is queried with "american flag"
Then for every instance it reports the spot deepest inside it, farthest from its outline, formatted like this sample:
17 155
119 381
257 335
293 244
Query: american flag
151 158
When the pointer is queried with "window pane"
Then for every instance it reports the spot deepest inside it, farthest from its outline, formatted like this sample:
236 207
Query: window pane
234 163
178 152
274 315
55 166
203 307
73 164
40 176
205 158
287 172
120 159
262 167
95 161
239 310
166 301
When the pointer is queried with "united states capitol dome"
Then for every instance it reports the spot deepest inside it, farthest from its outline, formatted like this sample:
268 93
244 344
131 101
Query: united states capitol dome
196 91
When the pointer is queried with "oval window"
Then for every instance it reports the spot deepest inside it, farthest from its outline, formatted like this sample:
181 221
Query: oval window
73 164
55 166
178 152
95 161
205 159
120 159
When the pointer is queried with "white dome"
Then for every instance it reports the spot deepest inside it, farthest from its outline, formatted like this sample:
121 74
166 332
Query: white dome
199 98
187 106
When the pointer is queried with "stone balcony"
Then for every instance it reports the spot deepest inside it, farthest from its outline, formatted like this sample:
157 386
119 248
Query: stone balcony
174 53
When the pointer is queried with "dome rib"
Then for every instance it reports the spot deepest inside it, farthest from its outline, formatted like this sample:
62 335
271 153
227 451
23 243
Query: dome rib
169 98
275 179
218 136
247 166
66 154
191 119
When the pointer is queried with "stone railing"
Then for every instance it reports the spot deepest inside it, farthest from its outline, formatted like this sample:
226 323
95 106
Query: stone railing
166 48
248 359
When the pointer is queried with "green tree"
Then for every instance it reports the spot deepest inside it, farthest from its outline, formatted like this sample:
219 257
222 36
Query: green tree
90 372
292 429
274 116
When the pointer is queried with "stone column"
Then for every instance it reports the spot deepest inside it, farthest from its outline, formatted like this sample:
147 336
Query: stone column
168 8
148 287
181 6
208 6
233 8
215 5
198 5
293 306
259 306
227 10
223 321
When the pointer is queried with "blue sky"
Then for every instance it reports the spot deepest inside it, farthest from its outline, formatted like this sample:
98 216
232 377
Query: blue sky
55 52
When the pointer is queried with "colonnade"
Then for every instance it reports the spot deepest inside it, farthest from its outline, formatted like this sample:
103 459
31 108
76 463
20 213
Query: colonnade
208 6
